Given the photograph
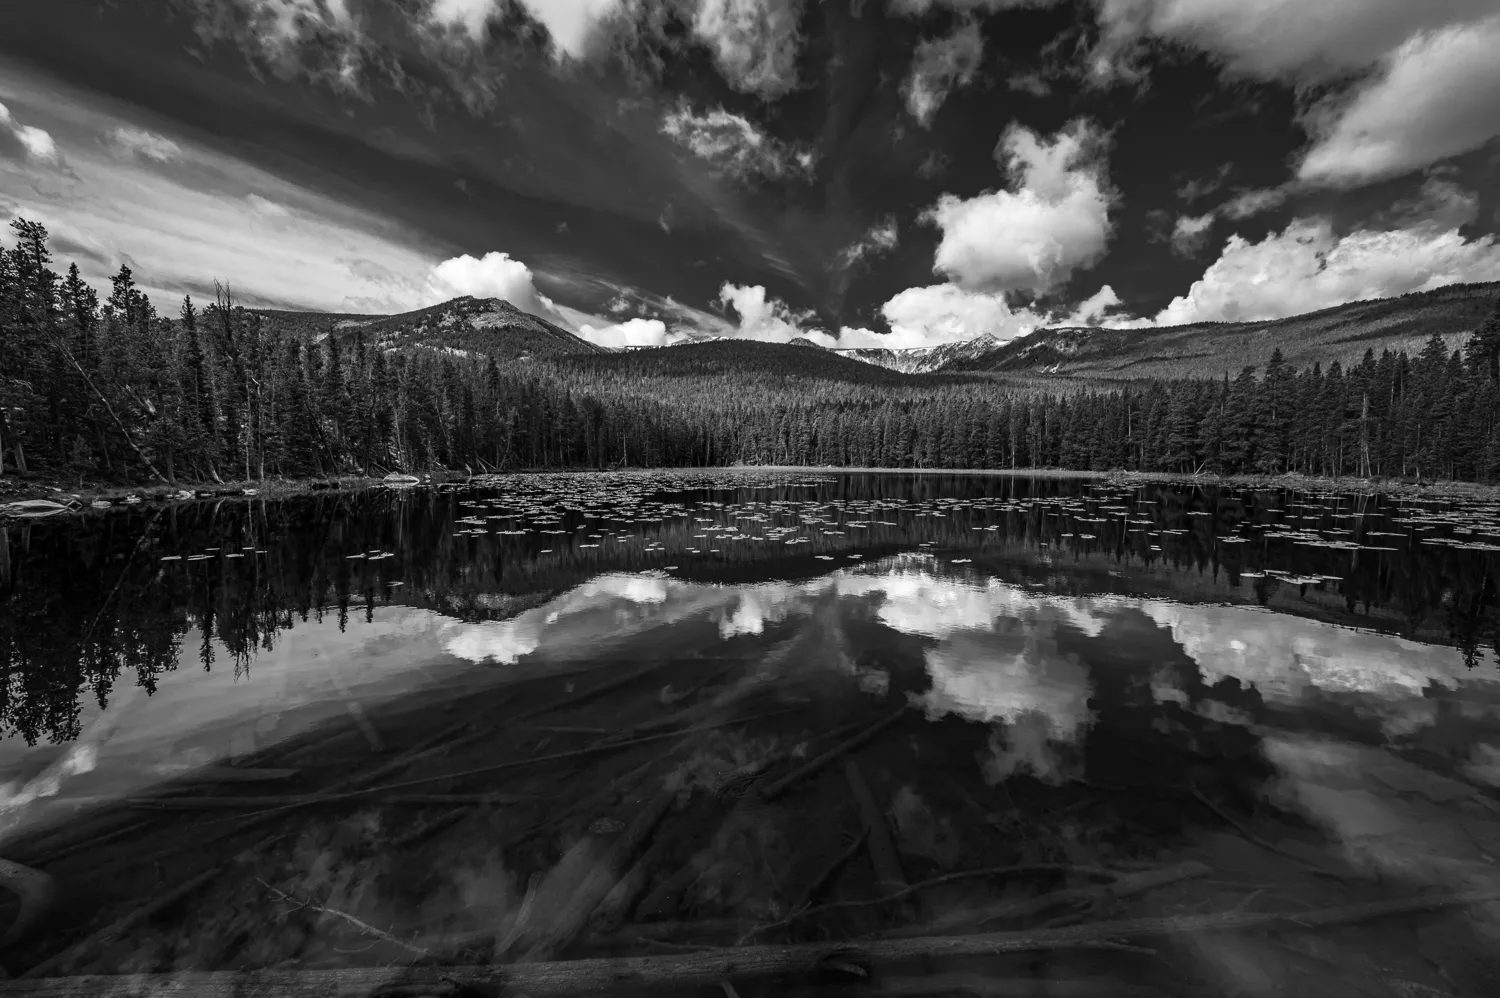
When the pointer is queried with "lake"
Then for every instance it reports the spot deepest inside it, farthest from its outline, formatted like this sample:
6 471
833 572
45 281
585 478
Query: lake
757 734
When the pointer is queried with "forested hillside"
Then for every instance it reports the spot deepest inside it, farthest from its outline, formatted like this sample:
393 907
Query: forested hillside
110 390
1211 349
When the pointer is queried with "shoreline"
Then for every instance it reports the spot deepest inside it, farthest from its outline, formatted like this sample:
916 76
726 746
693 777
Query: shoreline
13 490
1371 486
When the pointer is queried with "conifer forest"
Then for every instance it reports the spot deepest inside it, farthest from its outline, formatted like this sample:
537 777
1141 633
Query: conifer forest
113 390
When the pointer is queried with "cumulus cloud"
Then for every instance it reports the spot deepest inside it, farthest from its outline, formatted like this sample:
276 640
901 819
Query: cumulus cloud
1307 267
1438 95
764 318
881 238
573 25
734 143
1094 309
754 42
1191 232
138 142
33 143
946 313
918 318
470 16
940 66
631 333
1055 221
494 275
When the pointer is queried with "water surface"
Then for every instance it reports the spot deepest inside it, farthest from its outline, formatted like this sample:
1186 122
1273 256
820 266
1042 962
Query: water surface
1078 681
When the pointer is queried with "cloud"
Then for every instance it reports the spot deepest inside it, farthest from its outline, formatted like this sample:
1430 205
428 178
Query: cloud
494 275
947 313
1092 310
919 8
1440 202
1438 95
267 207
320 39
1307 267
1193 189
472 17
631 333
881 238
1252 202
763 318
144 145
1413 83
940 66
35 144
573 25
934 164
1034 237
1029 83
1285 39
734 144
1191 232
754 43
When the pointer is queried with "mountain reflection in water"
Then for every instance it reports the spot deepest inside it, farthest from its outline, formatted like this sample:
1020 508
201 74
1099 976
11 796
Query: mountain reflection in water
583 716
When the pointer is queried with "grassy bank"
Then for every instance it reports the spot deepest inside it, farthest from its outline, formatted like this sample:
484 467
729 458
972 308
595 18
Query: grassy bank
13 489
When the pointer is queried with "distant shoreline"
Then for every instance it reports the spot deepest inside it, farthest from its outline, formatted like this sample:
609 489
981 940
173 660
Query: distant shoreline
1386 486
12 489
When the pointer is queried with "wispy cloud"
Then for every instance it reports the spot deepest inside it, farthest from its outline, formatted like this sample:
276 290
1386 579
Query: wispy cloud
735 144
144 144
281 244
881 238
940 66
32 143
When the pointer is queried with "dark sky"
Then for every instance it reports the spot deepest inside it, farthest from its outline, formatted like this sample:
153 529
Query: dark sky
764 167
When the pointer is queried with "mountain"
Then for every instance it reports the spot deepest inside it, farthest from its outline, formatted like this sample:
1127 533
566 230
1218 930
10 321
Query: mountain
923 360
463 326
740 358
1342 333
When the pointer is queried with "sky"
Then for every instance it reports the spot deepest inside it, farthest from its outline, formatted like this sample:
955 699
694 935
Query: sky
898 173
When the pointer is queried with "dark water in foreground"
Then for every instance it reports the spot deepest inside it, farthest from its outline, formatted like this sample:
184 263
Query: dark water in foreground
569 717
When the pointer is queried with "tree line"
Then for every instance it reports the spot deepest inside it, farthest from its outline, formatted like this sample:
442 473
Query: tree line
109 389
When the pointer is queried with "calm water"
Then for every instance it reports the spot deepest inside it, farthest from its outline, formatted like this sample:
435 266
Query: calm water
570 717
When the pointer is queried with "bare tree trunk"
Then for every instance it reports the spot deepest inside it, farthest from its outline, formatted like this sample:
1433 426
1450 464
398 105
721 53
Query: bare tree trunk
109 409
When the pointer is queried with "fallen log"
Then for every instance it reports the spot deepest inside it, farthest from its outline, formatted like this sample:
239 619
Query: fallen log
306 800
91 943
706 968
985 986
499 767
814 765
889 877
189 774
36 891
1125 886
567 922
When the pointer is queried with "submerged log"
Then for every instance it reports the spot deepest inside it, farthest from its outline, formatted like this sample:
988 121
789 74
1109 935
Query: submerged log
37 891
705 968
566 921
